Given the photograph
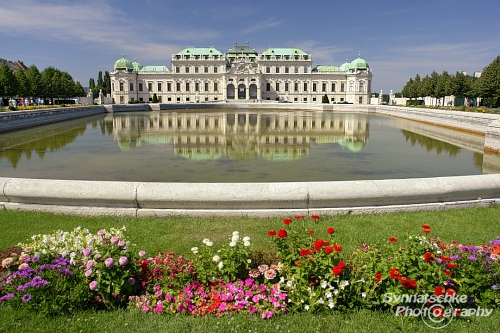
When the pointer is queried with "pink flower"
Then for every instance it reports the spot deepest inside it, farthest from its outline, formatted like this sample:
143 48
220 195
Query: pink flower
121 243
88 272
115 240
90 264
101 233
131 281
109 262
267 315
93 285
87 252
142 253
263 268
270 274
123 261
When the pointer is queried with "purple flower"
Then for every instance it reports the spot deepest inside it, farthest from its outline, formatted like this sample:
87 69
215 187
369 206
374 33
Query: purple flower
93 285
131 281
109 262
87 252
7 297
494 287
472 258
123 261
26 297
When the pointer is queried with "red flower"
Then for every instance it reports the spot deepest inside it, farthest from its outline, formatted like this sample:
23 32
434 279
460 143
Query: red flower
337 247
282 233
429 256
330 231
393 239
451 292
341 264
318 244
438 291
315 217
408 283
287 221
310 232
445 258
328 249
337 270
305 252
426 228
299 216
271 233
451 265
378 277
395 274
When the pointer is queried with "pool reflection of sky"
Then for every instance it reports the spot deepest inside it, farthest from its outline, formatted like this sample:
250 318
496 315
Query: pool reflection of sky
239 146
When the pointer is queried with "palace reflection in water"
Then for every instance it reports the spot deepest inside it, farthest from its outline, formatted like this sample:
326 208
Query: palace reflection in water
241 135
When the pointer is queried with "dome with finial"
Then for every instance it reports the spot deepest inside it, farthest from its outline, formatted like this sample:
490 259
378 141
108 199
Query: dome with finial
137 66
123 64
345 66
359 64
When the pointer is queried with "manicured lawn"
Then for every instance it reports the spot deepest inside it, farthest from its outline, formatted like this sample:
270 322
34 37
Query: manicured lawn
475 226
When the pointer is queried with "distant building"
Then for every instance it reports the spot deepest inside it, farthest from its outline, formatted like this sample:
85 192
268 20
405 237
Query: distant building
15 66
204 74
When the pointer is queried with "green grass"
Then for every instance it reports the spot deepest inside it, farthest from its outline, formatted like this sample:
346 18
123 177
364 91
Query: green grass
475 226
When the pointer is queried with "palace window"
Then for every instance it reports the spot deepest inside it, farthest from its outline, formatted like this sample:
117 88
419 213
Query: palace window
177 69
187 86
305 86
178 86
342 87
187 69
296 70
305 69
206 69
150 86
361 87
351 86
206 86
121 86
196 69
296 87
314 87
323 87
216 88
215 69
286 86
268 86
196 86
140 86
268 69
277 70
277 86
333 87
169 86
287 70
131 86
159 86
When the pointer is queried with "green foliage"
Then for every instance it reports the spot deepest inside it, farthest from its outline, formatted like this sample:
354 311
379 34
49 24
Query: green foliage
325 99
155 98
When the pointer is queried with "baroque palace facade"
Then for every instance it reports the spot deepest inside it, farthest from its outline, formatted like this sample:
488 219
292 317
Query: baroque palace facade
204 74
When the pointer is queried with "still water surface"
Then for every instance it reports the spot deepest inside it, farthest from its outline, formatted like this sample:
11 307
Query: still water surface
225 146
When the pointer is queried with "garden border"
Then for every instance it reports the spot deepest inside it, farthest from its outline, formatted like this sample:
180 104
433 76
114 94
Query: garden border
267 199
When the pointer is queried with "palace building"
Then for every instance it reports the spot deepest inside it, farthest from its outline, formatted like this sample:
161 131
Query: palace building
204 74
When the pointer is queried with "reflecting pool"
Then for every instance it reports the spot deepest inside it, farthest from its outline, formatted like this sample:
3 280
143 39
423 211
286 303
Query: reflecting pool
236 146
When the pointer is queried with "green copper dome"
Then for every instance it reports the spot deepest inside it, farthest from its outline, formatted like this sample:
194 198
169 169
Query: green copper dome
359 64
345 66
137 66
123 64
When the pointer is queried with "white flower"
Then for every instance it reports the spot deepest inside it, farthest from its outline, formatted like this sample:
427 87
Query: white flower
221 265
209 243
282 279
331 305
206 240
249 261
306 307
236 233
363 294
232 244
246 239
216 258
246 243
194 250
320 301
363 279
328 295
324 284
336 292
289 284
343 284
235 238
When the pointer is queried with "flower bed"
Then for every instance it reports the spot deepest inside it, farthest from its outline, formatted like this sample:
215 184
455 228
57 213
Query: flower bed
301 270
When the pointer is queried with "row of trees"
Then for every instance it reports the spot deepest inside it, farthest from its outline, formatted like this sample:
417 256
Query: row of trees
103 83
459 85
49 84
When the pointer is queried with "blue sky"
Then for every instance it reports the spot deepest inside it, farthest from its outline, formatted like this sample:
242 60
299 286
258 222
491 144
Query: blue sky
398 39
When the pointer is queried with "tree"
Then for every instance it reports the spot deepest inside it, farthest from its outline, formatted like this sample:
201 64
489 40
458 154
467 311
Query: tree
488 85
8 83
325 99
35 81
155 98
23 88
79 91
100 82
107 83
443 86
49 90
92 86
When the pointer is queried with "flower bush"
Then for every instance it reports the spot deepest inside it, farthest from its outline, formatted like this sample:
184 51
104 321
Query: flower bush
303 268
